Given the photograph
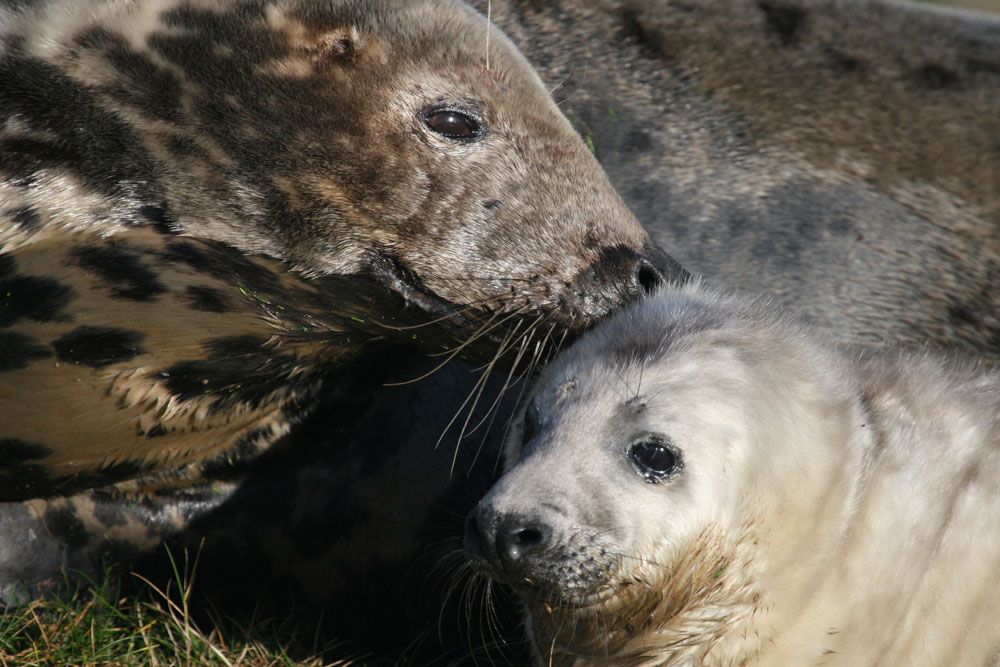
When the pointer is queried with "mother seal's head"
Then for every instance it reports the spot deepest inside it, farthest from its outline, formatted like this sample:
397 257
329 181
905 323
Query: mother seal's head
197 195
406 140
702 481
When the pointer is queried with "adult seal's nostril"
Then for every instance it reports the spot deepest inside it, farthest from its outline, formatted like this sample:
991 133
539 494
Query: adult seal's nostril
656 268
621 275
517 538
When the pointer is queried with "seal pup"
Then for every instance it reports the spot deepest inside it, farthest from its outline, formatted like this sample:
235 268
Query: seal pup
206 206
703 480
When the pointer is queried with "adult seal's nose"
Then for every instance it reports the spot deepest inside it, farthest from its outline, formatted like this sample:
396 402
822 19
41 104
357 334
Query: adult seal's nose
631 274
655 268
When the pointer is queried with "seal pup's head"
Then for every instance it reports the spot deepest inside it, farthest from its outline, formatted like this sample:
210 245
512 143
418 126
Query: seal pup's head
659 472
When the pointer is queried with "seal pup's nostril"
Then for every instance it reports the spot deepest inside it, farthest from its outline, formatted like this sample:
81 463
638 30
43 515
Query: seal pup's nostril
517 538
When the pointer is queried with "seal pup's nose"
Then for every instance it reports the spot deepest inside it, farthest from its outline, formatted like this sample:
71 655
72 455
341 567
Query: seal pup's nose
518 537
504 539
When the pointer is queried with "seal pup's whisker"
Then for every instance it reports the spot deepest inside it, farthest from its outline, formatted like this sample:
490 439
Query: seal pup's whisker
489 20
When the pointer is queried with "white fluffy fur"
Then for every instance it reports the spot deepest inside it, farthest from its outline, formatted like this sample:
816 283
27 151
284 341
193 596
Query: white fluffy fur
855 493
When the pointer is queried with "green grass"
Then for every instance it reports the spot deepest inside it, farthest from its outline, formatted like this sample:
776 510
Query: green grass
153 628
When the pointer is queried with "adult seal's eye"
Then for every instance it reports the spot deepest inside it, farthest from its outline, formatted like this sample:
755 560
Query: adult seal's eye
454 124
654 458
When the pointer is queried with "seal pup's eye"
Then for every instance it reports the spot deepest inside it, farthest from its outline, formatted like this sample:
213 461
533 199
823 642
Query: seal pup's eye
655 458
454 124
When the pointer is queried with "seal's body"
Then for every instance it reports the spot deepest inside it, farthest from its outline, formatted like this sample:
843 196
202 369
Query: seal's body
763 143
704 481
839 156
195 196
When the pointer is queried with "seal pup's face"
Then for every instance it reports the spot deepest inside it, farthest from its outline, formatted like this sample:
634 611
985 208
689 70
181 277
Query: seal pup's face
646 473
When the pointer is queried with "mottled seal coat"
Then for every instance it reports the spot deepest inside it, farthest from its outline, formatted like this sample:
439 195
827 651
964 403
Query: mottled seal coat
185 185
840 155
695 112
702 480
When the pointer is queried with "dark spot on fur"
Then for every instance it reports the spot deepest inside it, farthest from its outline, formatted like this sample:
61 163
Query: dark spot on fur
961 314
23 481
32 298
99 346
18 350
208 299
225 263
980 66
140 82
26 218
239 369
90 142
491 204
127 276
156 432
936 77
162 221
64 523
639 140
109 510
632 29
784 21
14 451
8 265
237 460
843 61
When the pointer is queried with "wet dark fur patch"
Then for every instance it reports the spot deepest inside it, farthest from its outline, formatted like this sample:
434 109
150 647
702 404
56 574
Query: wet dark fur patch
18 350
207 299
120 267
783 21
14 451
160 219
238 369
99 346
30 297
26 218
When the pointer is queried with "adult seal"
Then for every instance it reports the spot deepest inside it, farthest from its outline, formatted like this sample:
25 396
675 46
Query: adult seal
837 155
206 207
702 480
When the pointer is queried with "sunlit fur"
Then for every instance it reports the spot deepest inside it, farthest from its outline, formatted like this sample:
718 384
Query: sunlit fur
836 506
271 153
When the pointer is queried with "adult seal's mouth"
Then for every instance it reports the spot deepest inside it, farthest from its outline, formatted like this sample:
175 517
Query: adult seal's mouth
394 276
